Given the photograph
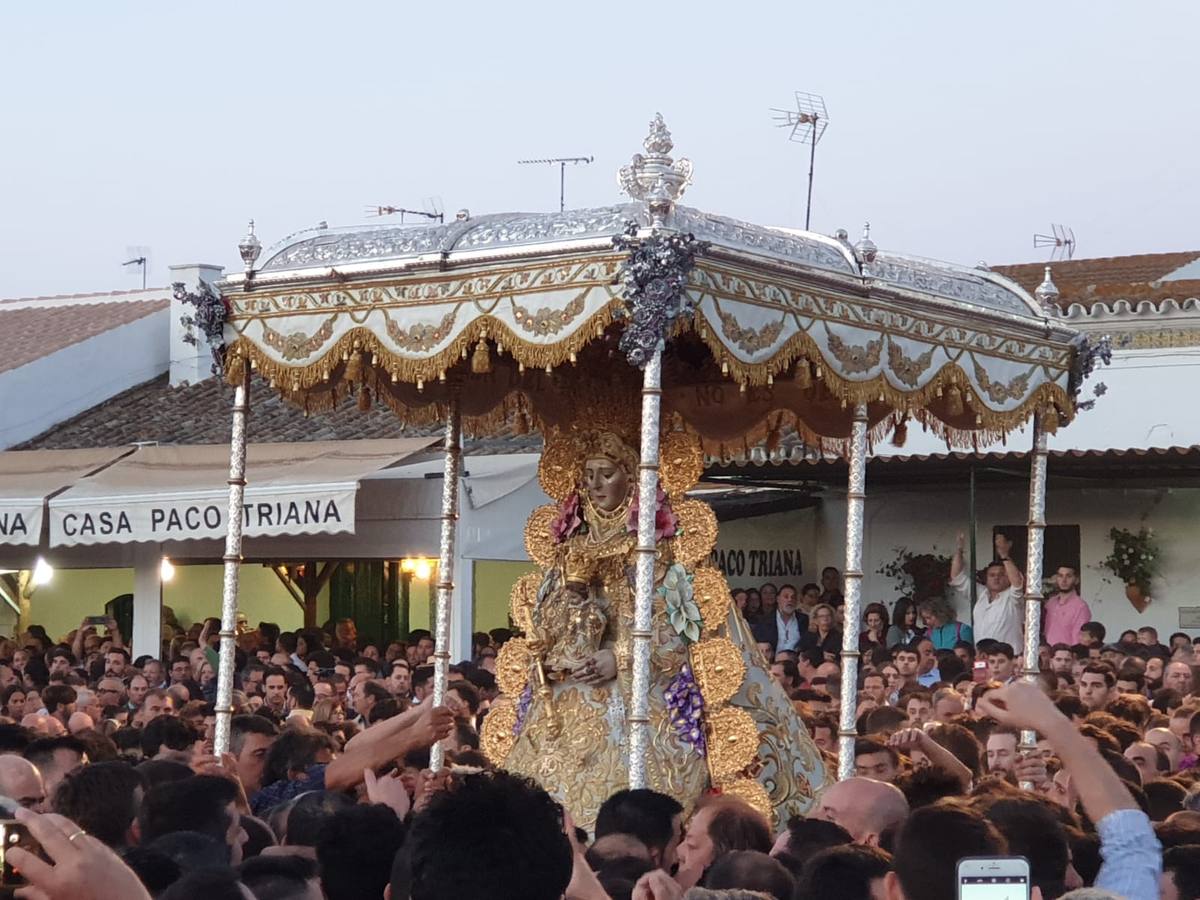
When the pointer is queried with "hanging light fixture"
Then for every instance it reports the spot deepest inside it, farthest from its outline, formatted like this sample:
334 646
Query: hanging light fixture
166 570
43 572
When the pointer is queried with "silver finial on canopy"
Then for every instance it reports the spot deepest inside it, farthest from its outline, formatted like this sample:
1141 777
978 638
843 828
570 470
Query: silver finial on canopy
1047 294
250 247
656 178
865 249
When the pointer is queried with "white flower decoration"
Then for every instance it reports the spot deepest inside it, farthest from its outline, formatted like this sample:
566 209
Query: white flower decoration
682 611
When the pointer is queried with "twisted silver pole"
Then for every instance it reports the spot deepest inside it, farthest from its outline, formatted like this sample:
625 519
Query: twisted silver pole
643 605
1033 569
233 563
856 493
452 447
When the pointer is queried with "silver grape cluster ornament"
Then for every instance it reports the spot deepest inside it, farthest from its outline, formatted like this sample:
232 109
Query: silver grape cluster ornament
209 319
1088 357
654 278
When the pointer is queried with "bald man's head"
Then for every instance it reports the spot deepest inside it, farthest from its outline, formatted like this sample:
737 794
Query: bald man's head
21 782
613 847
1168 742
864 807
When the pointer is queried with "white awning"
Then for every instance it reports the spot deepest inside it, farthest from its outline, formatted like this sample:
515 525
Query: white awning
180 493
29 477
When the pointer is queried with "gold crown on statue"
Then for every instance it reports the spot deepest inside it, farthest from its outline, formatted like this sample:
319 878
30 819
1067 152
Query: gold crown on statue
606 425
601 423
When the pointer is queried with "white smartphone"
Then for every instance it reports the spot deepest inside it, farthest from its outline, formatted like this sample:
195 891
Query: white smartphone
993 878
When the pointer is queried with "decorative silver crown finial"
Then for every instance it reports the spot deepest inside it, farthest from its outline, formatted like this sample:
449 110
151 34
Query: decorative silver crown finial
250 247
1047 294
658 141
656 179
865 249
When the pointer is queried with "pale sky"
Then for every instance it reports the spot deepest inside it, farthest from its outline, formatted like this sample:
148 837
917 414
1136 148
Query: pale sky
957 128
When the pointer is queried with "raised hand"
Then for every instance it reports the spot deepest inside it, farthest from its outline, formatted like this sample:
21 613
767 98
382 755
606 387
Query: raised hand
79 867
1003 546
657 885
1021 706
389 790
432 724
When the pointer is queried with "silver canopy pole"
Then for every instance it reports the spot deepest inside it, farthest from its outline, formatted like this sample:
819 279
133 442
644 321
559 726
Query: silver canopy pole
233 563
856 487
639 718
452 448
1033 569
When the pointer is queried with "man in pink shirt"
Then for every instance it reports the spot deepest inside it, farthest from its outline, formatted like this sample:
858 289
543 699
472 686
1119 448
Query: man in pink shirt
1065 611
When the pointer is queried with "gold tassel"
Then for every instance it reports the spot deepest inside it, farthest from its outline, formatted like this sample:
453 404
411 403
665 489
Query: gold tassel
520 424
900 432
774 436
954 401
481 359
237 368
354 367
364 399
803 375
1050 420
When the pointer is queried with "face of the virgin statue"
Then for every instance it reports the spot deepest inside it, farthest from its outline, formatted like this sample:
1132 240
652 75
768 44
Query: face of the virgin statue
606 482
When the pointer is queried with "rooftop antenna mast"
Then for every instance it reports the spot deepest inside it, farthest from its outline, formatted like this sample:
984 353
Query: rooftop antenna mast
806 124
562 162
138 256
1061 238
432 211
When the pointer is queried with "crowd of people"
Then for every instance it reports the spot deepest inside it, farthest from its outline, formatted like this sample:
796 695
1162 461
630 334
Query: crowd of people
327 789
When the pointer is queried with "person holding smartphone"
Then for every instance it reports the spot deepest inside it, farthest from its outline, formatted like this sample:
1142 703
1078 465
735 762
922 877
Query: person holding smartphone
1132 853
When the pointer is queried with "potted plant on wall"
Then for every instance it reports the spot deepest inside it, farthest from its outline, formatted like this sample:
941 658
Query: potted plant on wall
1134 560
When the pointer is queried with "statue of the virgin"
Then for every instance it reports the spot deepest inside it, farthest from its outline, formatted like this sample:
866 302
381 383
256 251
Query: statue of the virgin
717 719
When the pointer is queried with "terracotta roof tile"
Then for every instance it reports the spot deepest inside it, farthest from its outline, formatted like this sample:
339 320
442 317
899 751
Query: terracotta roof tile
1133 278
201 413
29 333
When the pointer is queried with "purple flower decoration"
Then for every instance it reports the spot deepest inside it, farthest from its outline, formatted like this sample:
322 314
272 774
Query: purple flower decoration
568 522
686 706
523 702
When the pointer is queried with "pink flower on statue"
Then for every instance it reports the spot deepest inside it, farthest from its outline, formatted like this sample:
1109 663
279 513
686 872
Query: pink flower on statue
665 522
568 521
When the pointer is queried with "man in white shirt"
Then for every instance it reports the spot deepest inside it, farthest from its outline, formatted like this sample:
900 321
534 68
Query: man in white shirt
787 623
998 613
783 628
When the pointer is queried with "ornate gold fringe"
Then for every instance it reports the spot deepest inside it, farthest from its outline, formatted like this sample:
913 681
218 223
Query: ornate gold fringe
329 367
316 385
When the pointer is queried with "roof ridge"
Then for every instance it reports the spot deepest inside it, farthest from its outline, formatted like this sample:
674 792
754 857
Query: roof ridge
146 290
1095 259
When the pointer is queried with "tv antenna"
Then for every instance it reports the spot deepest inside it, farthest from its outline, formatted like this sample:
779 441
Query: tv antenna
562 162
432 210
806 124
1061 238
138 256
